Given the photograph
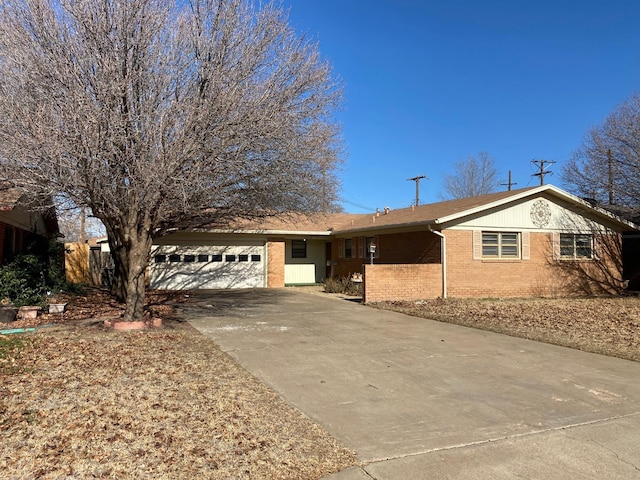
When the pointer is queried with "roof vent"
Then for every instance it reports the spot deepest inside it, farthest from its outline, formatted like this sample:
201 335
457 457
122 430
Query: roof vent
386 210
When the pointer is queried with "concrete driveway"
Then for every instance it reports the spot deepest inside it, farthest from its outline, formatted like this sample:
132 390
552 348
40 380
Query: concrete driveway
421 399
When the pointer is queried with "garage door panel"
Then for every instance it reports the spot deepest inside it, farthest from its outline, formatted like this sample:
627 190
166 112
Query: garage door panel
205 267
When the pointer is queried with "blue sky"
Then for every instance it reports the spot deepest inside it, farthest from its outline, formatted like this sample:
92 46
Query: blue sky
428 83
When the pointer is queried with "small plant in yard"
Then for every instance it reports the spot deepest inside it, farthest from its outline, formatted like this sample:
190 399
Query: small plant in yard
343 285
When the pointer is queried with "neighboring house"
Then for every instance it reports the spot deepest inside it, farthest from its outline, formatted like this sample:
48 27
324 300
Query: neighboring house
538 241
20 226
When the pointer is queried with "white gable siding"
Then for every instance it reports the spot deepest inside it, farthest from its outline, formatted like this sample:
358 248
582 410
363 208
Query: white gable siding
518 217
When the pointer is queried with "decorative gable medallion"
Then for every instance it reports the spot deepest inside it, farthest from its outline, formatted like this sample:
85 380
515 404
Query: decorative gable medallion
540 213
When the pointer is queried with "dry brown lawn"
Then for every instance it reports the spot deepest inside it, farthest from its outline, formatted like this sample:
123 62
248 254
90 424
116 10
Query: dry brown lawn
609 326
78 400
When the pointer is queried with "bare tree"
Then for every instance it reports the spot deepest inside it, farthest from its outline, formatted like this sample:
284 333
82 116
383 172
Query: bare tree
606 167
76 226
160 114
475 175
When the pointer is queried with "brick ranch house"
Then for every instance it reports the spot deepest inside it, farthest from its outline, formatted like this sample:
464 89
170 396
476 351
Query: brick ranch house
20 226
538 241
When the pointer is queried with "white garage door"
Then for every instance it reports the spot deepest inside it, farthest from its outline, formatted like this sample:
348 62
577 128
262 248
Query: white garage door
183 267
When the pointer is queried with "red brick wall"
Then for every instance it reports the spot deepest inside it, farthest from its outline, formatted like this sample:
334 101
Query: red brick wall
398 248
275 262
402 282
539 276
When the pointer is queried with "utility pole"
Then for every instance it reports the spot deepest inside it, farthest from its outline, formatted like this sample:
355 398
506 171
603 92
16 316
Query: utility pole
541 165
509 183
417 180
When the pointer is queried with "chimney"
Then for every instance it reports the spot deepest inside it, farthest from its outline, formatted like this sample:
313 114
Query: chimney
386 210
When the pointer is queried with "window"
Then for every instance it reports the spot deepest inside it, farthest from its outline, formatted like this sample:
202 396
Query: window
255 258
203 258
348 248
298 249
243 258
160 258
174 258
500 245
216 258
229 258
189 258
576 246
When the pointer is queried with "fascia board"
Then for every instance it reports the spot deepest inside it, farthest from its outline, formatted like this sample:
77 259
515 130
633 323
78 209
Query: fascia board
318 233
489 206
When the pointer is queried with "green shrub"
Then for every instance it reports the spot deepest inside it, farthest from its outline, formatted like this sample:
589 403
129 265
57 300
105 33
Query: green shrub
23 280
31 275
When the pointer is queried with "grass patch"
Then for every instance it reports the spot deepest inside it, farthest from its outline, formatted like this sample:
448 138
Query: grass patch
10 348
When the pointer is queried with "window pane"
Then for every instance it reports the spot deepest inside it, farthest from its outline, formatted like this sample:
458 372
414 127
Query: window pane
348 248
298 249
510 251
489 238
509 238
583 246
489 250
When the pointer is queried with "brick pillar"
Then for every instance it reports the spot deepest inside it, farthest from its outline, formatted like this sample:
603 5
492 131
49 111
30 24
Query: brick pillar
275 262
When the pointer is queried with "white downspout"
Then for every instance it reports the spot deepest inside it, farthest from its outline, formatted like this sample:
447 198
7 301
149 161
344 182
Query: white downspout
443 254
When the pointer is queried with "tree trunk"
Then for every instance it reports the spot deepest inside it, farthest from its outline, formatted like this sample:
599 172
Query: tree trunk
130 249
135 283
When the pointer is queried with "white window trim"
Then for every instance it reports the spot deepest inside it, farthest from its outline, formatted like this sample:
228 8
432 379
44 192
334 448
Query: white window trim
523 244
557 244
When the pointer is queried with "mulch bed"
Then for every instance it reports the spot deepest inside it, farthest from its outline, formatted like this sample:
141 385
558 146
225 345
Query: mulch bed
79 400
